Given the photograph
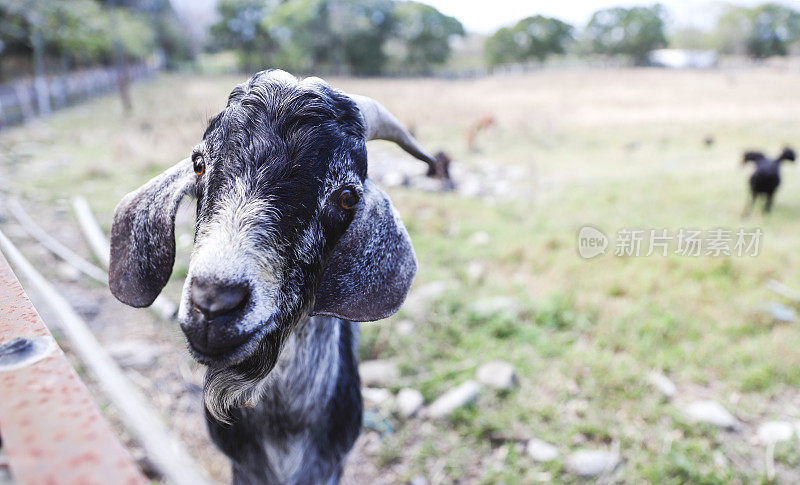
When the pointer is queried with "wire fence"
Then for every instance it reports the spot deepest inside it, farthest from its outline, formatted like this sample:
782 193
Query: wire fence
24 99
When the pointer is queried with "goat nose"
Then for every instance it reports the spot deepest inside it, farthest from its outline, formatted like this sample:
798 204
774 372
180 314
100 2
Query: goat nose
214 298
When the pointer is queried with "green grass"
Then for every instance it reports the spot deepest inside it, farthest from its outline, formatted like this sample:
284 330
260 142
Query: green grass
617 149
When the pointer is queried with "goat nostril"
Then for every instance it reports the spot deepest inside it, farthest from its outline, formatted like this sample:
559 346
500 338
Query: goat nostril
214 299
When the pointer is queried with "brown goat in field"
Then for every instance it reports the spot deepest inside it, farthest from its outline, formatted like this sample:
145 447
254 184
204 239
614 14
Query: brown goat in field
472 133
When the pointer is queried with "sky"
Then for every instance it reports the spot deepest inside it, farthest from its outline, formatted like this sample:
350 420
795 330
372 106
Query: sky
486 16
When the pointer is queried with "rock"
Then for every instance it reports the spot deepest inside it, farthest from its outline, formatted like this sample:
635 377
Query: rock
418 480
662 384
487 307
405 327
421 298
470 186
453 399
782 313
378 373
185 240
409 402
541 451
479 238
475 272
138 354
431 290
497 374
428 184
375 395
67 272
590 463
394 179
720 460
711 412
775 432
375 421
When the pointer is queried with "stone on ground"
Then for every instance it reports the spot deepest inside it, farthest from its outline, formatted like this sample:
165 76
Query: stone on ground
376 395
475 272
453 399
497 374
541 451
409 402
418 480
775 432
68 272
423 296
378 373
137 354
591 463
405 327
394 179
479 238
663 384
487 307
782 313
711 412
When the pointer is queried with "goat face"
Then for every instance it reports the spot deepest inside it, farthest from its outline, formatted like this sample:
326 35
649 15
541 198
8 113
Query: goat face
288 225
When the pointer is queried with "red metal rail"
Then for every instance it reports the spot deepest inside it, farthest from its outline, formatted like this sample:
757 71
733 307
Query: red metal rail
52 430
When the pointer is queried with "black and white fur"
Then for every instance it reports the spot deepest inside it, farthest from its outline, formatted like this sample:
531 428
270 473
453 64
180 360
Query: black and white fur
766 178
279 271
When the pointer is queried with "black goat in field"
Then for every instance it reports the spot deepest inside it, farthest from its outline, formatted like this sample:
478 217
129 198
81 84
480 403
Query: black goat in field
766 178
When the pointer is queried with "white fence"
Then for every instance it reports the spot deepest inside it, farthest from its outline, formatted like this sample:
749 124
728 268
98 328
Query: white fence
23 99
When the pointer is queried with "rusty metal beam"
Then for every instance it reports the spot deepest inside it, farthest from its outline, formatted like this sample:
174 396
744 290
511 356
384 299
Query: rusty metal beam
52 430
166 453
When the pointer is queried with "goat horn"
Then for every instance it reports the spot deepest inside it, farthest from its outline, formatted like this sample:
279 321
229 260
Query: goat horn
380 124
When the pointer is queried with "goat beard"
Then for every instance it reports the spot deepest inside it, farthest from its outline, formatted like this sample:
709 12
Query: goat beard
240 385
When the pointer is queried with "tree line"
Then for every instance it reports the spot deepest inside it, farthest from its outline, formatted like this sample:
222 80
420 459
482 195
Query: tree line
60 36
362 37
758 32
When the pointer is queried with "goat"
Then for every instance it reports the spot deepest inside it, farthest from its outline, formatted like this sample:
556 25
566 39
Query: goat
293 243
471 135
766 177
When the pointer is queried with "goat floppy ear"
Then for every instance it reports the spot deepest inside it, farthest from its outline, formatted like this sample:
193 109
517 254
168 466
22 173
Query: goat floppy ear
143 236
370 271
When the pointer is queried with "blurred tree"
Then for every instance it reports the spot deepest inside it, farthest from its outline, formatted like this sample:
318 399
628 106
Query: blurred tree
332 35
730 34
759 32
78 32
303 35
329 35
242 27
78 35
170 40
501 48
691 38
531 38
424 34
632 32
773 29
359 30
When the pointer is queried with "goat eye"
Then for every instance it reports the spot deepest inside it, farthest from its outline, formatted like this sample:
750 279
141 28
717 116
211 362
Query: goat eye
348 198
199 165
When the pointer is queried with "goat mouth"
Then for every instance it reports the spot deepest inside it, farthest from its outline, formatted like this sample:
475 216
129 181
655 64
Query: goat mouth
235 355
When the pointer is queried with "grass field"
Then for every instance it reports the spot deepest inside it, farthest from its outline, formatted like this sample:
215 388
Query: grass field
614 149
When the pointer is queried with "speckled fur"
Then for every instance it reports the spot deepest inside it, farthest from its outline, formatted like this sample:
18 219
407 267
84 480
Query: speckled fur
286 405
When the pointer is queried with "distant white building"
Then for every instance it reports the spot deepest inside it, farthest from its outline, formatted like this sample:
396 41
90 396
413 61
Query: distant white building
684 58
